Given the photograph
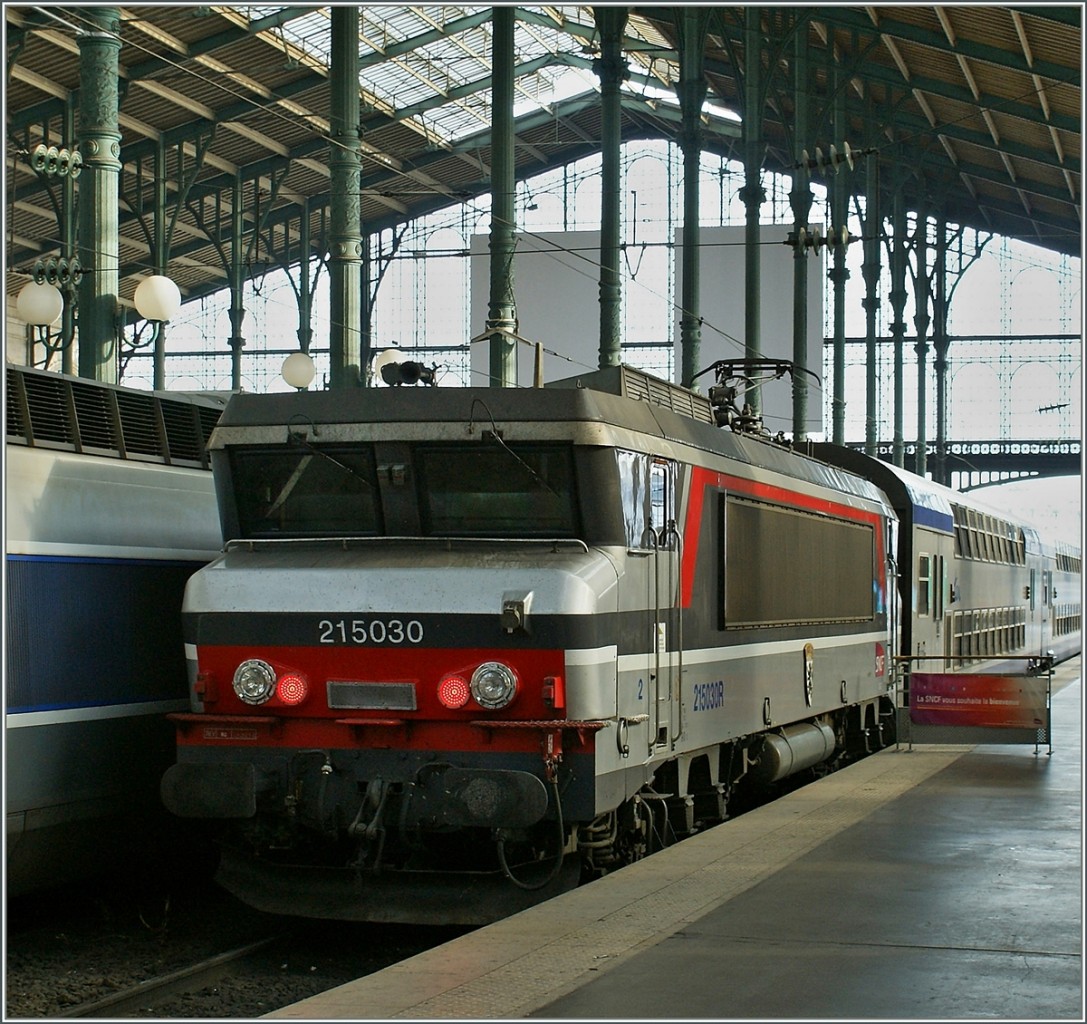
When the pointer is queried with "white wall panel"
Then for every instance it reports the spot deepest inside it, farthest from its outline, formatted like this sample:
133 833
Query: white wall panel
723 302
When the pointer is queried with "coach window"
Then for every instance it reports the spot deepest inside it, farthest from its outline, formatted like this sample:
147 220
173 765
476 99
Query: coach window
924 584
960 525
939 587
974 548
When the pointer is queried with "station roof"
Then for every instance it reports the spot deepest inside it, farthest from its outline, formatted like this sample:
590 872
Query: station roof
980 108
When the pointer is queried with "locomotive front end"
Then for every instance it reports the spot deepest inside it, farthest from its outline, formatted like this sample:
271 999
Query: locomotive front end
396 667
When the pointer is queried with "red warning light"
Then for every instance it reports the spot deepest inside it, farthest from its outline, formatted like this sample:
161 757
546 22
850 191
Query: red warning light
291 689
453 692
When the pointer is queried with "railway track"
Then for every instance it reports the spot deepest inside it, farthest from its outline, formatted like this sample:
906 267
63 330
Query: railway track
147 995
116 952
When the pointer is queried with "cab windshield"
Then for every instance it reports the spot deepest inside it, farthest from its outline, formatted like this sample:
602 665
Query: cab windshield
497 491
488 489
304 490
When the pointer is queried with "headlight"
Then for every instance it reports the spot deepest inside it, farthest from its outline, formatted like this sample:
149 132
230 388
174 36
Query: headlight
493 685
254 681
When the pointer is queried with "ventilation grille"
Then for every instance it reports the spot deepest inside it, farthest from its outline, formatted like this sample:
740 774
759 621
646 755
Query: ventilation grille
669 396
643 387
49 410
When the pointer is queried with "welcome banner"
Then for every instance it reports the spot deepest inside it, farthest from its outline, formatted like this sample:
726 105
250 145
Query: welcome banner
991 701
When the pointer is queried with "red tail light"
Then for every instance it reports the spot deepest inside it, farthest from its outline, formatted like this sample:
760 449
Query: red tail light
453 692
291 689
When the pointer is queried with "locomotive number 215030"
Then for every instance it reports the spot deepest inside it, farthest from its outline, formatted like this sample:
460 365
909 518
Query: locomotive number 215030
370 631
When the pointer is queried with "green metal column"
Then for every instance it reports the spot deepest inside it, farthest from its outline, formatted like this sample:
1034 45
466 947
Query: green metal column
839 273
692 92
99 191
236 275
800 198
367 308
345 206
70 248
898 326
160 256
871 300
611 67
305 293
502 312
752 193
941 342
922 320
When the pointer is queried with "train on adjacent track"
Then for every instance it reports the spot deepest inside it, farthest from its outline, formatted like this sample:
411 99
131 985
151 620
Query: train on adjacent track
110 507
467 647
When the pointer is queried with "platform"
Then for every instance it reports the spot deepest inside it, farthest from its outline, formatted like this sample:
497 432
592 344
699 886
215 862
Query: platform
937 882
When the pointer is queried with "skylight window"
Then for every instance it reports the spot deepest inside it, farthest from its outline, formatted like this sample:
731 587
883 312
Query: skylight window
431 64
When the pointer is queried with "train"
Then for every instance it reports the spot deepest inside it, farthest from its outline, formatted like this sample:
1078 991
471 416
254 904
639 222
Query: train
466 648
110 507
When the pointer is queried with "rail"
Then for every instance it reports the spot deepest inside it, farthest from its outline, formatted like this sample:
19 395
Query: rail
148 993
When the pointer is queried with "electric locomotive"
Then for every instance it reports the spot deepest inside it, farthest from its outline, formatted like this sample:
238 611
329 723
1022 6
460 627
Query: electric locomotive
465 647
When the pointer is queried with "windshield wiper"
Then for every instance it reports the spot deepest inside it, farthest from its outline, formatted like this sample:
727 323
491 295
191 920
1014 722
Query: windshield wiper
292 480
505 447
351 471
299 470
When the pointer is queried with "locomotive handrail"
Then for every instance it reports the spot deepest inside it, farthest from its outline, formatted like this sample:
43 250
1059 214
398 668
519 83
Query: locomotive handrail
187 718
382 723
655 732
588 725
958 657
255 542
672 529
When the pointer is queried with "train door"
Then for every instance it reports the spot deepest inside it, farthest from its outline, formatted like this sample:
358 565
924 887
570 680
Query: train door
1046 622
922 602
939 598
650 594
891 591
667 640
1033 632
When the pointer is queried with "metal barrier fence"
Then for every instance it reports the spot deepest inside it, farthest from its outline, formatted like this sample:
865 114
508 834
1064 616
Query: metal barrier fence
963 707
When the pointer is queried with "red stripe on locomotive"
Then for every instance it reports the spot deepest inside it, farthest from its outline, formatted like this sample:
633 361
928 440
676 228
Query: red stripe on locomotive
703 479
227 720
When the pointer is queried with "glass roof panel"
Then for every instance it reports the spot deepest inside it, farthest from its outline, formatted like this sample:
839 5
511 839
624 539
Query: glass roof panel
311 33
431 63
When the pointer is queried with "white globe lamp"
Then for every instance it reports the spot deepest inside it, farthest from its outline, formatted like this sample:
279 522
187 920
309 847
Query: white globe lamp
157 298
299 370
39 304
